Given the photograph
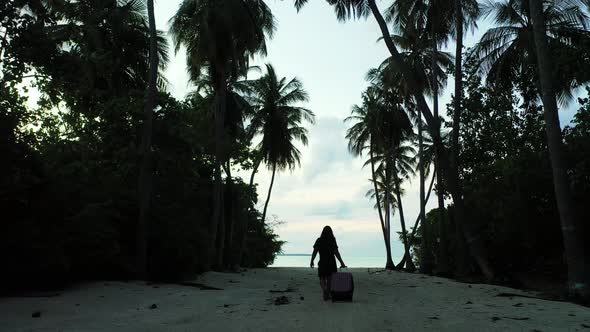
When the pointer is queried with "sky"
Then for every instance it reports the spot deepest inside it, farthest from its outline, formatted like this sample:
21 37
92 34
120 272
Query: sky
331 59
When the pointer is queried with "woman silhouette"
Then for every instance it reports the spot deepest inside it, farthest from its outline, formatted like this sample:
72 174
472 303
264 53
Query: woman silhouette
327 247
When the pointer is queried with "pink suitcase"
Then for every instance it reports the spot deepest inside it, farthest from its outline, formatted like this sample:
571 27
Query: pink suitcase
341 286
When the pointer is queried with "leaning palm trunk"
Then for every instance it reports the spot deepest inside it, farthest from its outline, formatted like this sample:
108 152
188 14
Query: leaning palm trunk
578 263
425 257
255 170
419 218
439 191
145 174
407 257
389 263
218 223
388 212
476 247
243 230
412 237
272 180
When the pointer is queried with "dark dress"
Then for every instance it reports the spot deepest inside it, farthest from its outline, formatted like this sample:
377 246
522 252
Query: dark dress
327 249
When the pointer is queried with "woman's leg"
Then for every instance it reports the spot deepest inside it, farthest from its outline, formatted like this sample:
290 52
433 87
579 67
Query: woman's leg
325 289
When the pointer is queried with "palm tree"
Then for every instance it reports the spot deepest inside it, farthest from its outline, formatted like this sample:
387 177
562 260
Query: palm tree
466 13
277 120
398 167
380 189
145 175
507 52
429 65
577 262
102 49
363 135
221 37
382 186
237 111
395 127
441 19
438 20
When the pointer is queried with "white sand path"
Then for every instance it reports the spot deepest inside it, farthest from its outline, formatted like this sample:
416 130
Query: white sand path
385 301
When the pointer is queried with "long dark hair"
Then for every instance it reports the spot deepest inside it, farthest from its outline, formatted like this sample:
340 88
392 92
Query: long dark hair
328 235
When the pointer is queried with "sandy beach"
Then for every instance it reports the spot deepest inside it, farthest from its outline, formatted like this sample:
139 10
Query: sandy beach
383 301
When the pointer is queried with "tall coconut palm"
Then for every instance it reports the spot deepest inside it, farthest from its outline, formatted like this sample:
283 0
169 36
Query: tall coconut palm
237 111
438 27
277 120
466 13
429 64
380 188
395 127
397 167
440 19
238 137
362 135
384 186
221 37
578 263
145 176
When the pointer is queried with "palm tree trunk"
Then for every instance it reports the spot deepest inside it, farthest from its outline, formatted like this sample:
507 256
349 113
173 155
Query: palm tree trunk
217 226
272 180
389 263
442 252
228 259
243 230
578 264
442 262
407 257
255 170
460 261
476 247
419 218
388 213
427 260
244 222
412 236
425 253
241 222
145 172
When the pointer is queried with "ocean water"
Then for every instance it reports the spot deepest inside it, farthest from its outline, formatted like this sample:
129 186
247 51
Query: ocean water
302 260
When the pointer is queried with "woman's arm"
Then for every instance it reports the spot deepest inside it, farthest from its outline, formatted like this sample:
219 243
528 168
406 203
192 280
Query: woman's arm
337 254
315 252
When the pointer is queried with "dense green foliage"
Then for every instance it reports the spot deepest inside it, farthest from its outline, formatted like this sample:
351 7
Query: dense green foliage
69 170
507 180
516 179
